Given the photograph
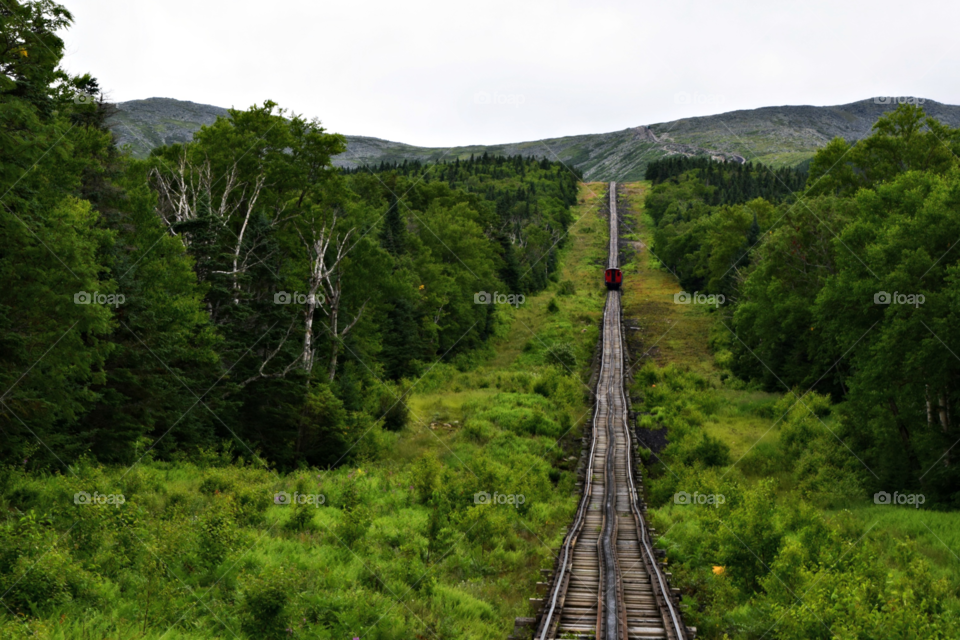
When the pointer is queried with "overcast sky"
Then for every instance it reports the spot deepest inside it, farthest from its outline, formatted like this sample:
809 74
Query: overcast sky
453 73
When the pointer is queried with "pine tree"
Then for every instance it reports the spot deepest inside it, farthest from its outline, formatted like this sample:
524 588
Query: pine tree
392 235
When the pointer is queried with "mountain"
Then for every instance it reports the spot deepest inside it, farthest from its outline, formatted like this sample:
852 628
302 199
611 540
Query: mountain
777 136
154 122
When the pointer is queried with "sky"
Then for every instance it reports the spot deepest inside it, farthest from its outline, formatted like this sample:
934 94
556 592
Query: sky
456 73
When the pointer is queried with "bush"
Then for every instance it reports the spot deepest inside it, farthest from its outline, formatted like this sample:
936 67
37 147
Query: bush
479 430
392 409
706 450
566 288
751 538
523 414
263 604
216 483
35 585
218 532
763 460
561 354
353 525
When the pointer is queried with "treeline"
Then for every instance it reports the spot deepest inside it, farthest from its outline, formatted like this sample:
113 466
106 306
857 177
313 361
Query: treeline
688 192
850 289
728 182
532 199
238 287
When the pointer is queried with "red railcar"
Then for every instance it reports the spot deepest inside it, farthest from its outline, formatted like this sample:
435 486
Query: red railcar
613 278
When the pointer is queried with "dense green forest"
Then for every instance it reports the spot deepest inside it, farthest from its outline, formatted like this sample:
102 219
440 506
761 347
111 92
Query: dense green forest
847 287
725 182
687 192
824 410
531 197
259 295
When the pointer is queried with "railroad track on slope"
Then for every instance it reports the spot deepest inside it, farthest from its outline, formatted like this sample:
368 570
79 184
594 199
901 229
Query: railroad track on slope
608 583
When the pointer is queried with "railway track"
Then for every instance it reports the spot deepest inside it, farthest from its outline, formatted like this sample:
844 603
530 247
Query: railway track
608 583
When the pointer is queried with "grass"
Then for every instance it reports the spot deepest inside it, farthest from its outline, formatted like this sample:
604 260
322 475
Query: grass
937 532
581 312
398 549
664 332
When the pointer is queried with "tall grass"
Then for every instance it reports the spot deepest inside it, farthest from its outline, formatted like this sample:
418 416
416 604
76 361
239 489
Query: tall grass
401 544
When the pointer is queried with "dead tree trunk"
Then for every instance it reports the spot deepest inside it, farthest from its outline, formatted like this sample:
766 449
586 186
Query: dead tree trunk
326 249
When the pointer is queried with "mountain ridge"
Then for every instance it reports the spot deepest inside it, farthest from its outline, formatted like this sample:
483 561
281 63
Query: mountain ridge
776 135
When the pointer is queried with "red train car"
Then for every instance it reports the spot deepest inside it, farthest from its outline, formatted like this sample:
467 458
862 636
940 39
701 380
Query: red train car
613 278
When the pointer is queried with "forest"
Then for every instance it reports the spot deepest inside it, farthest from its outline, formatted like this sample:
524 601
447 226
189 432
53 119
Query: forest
816 404
847 287
268 298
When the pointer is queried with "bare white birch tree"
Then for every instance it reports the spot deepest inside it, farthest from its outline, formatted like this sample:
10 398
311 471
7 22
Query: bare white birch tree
325 289
184 190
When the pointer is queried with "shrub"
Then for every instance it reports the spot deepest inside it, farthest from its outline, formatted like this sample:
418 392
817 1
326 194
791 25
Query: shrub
217 532
393 410
216 483
353 525
263 604
37 585
566 288
708 451
561 354
479 430
524 414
